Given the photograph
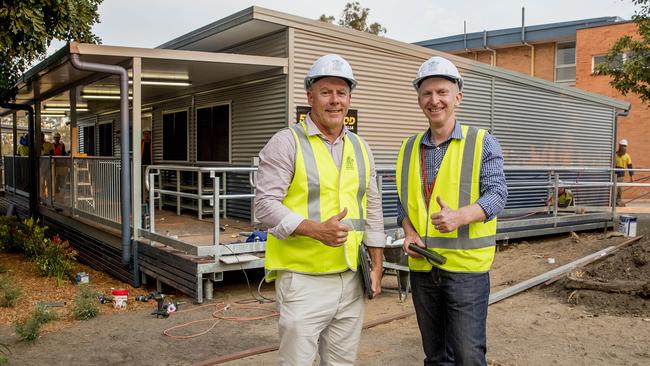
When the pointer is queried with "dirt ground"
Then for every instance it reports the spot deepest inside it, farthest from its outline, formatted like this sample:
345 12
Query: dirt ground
547 325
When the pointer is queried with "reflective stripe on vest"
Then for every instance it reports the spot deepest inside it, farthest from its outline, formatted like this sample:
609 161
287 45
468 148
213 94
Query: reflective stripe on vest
318 191
471 247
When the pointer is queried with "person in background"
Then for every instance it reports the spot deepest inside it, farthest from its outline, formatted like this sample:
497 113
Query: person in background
145 147
23 145
58 147
46 146
564 198
623 161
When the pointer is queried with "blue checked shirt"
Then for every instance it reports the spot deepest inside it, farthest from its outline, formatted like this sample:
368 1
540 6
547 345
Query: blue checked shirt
494 190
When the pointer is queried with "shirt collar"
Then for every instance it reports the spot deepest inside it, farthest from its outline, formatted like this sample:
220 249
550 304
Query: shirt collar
312 129
456 134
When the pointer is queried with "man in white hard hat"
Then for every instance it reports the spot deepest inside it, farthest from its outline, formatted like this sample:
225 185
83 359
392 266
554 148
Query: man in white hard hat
317 193
451 186
623 161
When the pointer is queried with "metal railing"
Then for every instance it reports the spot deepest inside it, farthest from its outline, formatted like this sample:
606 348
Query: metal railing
214 196
96 182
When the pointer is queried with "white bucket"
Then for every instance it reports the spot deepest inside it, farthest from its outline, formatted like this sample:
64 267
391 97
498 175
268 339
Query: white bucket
120 298
627 225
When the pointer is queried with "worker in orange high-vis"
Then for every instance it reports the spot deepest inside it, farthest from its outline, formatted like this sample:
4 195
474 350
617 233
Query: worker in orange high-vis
58 147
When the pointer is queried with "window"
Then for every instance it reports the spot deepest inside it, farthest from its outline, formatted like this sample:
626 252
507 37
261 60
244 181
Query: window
106 139
175 136
88 140
565 63
213 133
601 59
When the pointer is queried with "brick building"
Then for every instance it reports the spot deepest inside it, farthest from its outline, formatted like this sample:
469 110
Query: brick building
564 53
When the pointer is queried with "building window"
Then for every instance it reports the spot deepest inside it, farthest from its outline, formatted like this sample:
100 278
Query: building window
565 63
106 139
88 140
213 133
175 136
601 59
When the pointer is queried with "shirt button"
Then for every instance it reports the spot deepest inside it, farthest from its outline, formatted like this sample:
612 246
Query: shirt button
437 147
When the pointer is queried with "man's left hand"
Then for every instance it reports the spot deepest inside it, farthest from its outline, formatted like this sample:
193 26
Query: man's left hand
446 220
375 278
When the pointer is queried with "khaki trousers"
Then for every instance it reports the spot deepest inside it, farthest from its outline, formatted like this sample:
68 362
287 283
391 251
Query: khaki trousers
619 190
321 313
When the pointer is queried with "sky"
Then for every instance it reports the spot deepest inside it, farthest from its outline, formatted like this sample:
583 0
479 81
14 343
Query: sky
149 23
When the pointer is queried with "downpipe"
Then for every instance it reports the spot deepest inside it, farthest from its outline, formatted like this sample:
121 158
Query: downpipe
125 181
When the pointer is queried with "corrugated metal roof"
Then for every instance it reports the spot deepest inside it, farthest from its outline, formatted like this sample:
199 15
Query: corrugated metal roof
225 32
496 38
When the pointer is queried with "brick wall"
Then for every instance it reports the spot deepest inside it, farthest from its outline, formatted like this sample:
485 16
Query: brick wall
517 58
636 127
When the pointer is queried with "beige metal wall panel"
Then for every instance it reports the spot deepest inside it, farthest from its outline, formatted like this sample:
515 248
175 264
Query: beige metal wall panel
385 99
475 107
274 45
534 125
538 127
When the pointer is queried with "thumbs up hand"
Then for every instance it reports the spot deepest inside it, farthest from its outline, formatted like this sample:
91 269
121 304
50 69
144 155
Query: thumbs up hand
332 232
446 220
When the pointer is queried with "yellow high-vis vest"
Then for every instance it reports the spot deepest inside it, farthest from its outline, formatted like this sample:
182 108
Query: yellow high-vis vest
318 191
469 248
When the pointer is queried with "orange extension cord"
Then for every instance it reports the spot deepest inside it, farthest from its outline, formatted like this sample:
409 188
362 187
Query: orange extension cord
217 316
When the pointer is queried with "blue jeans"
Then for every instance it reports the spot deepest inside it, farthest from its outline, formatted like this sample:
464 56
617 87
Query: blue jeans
451 310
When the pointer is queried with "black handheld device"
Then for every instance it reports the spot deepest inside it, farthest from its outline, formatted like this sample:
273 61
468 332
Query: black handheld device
366 267
428 254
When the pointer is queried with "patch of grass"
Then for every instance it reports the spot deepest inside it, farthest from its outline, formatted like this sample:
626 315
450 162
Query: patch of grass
8 292
29 330
43 314
85 303
4 354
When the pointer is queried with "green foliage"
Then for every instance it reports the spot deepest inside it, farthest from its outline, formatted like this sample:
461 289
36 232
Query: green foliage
27 28
54 257
85 303
8 292
57 258
30 329
33 238
43 314
632 75
4 352
9 227
356 17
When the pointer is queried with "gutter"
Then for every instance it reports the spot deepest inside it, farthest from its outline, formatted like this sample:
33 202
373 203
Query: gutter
125 181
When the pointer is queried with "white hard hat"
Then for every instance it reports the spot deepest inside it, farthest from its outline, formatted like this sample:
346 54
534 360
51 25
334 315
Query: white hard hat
330 65
438 66
623 142
146 129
